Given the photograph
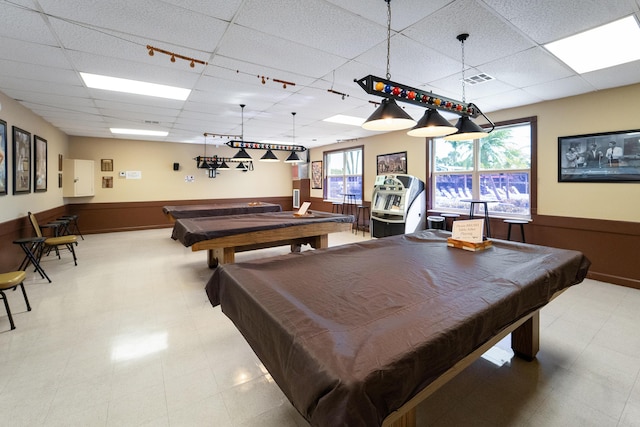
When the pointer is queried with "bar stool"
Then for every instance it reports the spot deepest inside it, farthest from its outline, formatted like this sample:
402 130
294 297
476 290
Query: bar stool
337 207
349 204
453 217
519 222
364 210
473 203
12 280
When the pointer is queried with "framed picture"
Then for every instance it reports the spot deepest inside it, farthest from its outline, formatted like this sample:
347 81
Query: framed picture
392 163
59 180
40 164
600 157
106 165
60 158
3 158
107 182
21 161
316 175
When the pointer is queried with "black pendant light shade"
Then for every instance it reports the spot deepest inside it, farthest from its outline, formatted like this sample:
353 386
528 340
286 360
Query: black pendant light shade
242 154
467 130
269 157
432 124
388 117
293 158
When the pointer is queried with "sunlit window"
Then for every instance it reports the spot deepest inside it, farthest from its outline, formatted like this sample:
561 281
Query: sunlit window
344 173
496 168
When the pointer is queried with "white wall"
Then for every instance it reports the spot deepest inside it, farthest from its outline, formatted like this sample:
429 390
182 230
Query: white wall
160 182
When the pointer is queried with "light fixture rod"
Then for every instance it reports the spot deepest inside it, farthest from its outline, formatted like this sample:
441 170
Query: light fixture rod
388 39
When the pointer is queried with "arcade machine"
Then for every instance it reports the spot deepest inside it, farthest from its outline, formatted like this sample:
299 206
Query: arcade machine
398 205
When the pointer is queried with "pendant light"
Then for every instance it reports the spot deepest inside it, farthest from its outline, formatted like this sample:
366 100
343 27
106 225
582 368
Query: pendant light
432 124
467 129
293 157
388 116
269 157
242 154
223 166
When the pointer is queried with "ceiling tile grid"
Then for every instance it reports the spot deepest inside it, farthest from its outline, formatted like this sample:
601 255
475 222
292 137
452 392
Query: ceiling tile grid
316 45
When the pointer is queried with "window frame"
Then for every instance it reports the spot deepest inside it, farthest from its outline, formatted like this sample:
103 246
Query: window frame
326 175
477 172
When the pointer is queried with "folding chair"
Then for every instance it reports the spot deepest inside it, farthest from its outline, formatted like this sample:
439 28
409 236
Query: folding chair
67 240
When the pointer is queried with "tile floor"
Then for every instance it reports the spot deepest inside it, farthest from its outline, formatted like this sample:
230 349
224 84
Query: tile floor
128 338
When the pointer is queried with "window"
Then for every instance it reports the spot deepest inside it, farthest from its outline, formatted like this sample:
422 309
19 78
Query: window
496 168
344 173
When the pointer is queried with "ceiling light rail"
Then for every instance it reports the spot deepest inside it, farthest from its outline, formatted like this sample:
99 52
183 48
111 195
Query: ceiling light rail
173 56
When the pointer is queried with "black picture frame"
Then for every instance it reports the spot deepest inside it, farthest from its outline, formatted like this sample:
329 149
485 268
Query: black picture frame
3 159
600 157
40 164
21 161
391 163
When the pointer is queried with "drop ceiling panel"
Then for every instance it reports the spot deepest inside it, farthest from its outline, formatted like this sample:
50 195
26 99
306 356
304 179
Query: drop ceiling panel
513 69
147 19
254 47
548 20
486 32
307 22
570 86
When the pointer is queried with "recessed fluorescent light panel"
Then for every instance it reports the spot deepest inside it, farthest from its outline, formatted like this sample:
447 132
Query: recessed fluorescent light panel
116 84
602 47
345 120
119 131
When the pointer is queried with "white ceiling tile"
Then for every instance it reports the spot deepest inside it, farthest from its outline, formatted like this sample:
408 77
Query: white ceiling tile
514 69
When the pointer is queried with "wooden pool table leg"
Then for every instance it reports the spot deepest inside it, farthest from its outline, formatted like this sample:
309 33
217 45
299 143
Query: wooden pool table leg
220 256
407 420
525 340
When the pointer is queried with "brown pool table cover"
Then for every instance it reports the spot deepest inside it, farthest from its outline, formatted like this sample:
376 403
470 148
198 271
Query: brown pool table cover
219 209
351 333
191 230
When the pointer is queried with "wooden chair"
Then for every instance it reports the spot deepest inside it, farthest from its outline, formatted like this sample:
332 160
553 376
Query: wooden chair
56 242
12 280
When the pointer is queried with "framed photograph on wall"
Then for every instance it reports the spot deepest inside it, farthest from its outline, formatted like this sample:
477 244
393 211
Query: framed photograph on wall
106 165
21 161
316 175
3 158
600 157
392 163
40 164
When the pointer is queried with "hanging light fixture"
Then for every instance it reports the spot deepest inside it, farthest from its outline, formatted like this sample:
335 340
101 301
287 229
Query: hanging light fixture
242 154
293 157
269 157
223 166
467 129
388 116
432 124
